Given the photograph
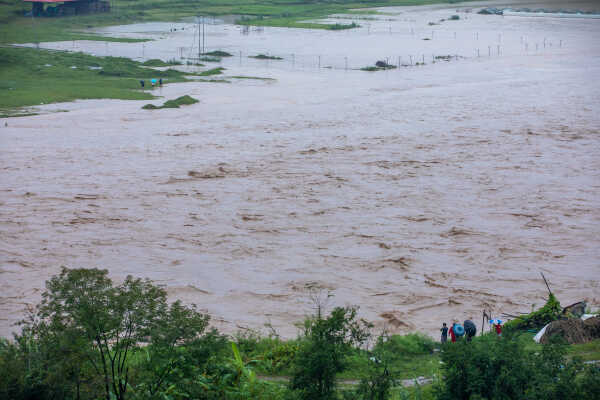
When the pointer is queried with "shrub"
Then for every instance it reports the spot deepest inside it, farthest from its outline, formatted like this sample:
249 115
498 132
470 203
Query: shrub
412 344
537 319
323 352
377 382
502 368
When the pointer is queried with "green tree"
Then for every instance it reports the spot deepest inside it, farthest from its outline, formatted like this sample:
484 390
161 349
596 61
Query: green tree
485 368
379 377
94 327
323 352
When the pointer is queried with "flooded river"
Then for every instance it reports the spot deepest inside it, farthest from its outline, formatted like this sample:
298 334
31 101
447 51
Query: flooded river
423 194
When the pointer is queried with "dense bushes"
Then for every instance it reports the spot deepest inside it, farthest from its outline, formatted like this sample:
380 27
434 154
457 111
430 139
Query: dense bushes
492 368
324 350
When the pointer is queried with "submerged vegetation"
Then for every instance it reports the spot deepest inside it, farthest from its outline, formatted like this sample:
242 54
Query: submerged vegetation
265 57
260 78
90 338
180 101
379 66
218 53
339 27
212 71
155 62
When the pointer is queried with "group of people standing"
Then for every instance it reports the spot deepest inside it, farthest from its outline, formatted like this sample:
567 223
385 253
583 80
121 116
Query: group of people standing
152 81
468 330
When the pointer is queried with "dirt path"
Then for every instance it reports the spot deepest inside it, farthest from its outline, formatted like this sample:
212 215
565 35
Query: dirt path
421 380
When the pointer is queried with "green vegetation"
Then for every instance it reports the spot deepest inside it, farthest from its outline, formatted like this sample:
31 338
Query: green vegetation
585 351
537 319
210 59
218 53
180 101
260 78
265 57
339 27
379 66
323 352
90 338
213 71
155 62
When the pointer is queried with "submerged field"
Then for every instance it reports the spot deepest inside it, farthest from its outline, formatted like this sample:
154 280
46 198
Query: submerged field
28 82
16 28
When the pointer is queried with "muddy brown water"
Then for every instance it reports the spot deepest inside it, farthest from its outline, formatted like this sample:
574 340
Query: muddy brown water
424 194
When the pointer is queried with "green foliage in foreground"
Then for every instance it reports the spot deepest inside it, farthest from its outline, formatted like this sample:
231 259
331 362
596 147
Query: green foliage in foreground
32 77
92 339
176 103
323 351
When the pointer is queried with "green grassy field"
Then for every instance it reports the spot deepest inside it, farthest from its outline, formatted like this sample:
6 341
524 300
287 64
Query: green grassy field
33 77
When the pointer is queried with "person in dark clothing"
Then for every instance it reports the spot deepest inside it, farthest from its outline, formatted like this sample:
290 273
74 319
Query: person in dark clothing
160 82
444 333
142 83
470 329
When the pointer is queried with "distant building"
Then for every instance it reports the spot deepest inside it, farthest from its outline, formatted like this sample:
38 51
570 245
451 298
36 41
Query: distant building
57 8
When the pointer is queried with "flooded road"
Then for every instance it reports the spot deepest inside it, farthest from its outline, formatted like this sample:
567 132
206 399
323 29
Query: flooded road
423 194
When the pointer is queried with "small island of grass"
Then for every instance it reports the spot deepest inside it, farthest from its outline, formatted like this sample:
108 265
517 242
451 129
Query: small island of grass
379 66
213 71
265 57
155 62
180 101
217 53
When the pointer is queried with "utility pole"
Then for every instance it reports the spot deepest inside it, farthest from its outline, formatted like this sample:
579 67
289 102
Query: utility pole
201 37
199 40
